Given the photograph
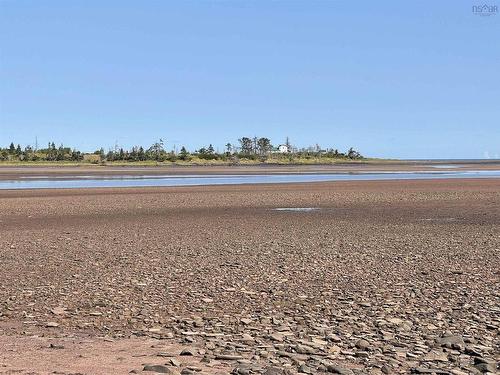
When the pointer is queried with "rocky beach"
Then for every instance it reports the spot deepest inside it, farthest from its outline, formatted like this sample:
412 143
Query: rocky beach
373 277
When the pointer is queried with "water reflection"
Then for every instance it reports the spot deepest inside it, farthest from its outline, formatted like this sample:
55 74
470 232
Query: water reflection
66 182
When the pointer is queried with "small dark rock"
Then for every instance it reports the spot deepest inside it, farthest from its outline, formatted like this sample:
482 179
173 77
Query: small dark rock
228 357
485 365
304 369
188 351
385 369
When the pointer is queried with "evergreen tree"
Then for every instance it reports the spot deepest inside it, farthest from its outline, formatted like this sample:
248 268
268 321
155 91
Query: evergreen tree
60 152
184 154
141 154
353 154
133 154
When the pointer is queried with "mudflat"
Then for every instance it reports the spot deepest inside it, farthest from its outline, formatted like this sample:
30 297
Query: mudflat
382 277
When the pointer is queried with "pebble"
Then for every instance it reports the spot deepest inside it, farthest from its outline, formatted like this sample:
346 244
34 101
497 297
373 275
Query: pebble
362 344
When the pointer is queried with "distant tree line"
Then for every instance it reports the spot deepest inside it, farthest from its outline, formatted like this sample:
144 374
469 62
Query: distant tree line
253 148
51 153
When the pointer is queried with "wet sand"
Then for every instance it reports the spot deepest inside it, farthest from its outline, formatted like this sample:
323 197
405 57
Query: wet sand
386 277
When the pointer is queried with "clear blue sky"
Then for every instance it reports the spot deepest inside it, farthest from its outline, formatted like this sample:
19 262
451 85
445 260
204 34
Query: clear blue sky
391 78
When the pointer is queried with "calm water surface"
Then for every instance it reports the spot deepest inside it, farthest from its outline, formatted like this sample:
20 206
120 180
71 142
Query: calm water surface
66 182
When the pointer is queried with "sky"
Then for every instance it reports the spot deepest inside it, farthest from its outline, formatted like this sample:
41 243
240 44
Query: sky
393 79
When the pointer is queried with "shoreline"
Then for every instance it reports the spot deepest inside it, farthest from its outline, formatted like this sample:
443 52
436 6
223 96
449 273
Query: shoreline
411 185
18 172
116 189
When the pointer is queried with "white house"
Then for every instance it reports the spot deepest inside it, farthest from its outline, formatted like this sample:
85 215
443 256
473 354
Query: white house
282 149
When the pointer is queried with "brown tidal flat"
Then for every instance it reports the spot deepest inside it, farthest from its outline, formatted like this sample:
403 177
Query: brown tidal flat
385 277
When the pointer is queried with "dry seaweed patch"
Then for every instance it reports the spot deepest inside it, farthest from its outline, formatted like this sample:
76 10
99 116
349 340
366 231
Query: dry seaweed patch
363 285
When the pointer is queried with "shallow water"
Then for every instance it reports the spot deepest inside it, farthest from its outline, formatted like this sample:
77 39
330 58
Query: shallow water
66 182
445 166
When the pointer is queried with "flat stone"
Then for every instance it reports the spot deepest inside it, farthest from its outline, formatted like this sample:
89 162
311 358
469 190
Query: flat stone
272 370
436 357
228 357
452 342
339 370
158 368
58 311
277 337
246 337
424 370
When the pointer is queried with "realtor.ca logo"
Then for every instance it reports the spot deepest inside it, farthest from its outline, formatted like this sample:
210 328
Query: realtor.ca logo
485 10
